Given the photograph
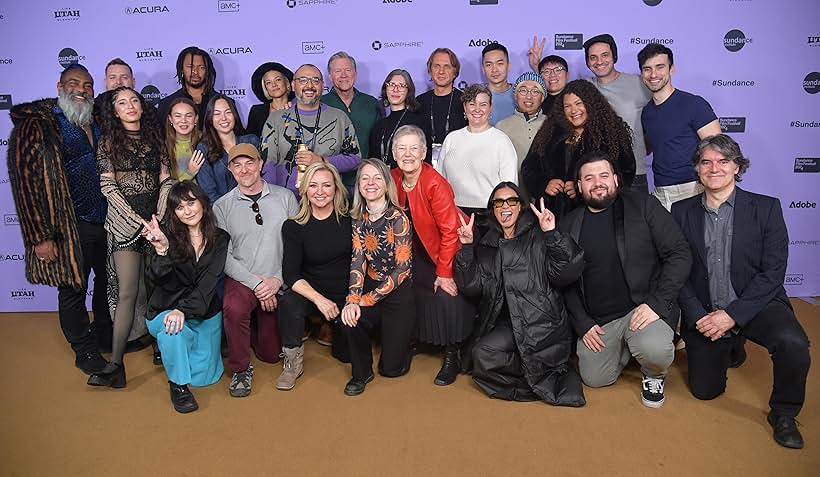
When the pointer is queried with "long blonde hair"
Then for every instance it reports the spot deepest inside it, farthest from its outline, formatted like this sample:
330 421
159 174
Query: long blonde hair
339 196
359 202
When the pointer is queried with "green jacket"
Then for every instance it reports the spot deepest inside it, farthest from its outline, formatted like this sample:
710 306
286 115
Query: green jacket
364 111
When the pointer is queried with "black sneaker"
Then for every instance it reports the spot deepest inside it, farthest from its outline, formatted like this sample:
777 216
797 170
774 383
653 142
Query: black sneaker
652 392
241 382
90 363
182 399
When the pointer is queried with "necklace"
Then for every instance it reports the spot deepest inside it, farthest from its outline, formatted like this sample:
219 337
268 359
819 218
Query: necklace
385 148
574 138
406 185
376 213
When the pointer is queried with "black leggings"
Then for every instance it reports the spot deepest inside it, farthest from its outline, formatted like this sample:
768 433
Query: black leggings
128 265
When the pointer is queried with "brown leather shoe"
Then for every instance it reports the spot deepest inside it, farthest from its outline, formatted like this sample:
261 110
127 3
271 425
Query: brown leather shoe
325 337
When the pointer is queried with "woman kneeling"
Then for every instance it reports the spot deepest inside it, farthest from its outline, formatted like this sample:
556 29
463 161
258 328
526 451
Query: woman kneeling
189 256
522 342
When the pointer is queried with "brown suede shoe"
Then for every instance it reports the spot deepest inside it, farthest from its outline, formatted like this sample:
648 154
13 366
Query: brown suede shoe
325 337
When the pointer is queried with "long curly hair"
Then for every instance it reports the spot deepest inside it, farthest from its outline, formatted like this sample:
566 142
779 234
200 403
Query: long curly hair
179 239
113 132
603 131
209 135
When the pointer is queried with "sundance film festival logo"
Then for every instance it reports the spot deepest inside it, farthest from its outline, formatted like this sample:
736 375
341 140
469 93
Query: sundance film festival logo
151 94
313 47
380 45
68 56
569 41
11 219
5 103
793 279
481 43
149 55
225 7
22 294
309 3
733 124
735 40
807 164
231 50
142 10
66 14
811 83
637 40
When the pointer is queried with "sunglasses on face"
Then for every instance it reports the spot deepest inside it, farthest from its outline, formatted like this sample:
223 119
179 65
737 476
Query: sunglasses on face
510 201
255 208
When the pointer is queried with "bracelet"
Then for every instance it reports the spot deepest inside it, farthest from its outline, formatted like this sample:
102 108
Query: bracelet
164 252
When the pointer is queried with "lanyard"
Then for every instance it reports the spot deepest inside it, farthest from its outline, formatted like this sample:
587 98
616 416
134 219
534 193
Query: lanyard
315 127
384 149
447 121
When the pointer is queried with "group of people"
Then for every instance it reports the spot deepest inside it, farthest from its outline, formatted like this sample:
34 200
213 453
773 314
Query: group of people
509 224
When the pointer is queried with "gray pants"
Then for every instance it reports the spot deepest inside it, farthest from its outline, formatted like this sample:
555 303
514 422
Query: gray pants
652 348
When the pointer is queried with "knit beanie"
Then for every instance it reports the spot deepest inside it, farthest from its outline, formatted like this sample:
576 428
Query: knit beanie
530 76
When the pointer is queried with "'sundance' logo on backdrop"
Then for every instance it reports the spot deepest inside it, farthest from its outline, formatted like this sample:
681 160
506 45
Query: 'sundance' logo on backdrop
735 40
811 83
569 41
151 94
69 56
732 124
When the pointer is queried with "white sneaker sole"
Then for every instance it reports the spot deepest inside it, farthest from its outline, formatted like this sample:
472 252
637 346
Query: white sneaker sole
652 404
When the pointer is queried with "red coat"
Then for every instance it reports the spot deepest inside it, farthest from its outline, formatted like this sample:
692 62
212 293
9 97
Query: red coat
435 216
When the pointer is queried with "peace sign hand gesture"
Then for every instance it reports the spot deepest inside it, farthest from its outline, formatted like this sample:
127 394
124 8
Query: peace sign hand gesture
154 235
465 232
546 219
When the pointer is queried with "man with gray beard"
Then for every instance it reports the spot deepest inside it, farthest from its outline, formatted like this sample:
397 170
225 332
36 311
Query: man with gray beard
52 168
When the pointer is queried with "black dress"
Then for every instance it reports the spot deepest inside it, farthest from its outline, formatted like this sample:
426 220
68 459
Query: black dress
441 319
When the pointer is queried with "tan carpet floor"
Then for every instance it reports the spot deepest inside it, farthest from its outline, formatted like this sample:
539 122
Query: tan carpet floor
52 424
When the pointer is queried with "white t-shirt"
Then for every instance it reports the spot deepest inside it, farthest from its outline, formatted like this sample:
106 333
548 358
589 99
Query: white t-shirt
474 163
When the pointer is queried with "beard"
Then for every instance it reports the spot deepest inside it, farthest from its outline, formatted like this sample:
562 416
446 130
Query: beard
309 102
78 114
601 203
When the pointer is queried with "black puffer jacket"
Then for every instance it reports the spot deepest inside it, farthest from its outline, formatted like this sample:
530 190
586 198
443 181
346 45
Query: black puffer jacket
527 271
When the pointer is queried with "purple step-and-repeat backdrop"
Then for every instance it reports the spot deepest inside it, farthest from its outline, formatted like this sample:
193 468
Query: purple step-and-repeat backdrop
756 61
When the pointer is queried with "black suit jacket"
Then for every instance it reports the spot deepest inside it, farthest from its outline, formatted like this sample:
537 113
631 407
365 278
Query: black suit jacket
654 255
760 251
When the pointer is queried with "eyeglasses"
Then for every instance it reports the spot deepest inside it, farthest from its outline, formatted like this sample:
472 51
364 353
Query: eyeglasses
524 91
255 208
510 201
303 80
398 86
556 70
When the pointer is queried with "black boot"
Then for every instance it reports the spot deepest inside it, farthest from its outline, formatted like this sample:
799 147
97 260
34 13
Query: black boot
113 376
157 354
90 362
182 399
451 366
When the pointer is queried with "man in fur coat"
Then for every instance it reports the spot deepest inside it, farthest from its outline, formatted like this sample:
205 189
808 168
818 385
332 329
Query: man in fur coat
53 173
